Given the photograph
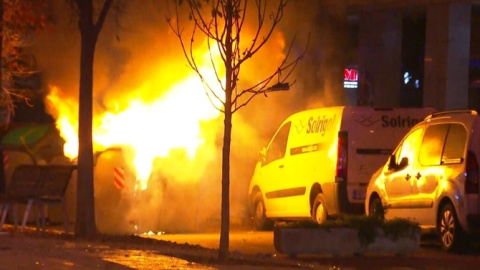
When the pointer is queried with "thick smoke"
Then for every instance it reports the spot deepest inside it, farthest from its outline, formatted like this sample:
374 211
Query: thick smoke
140 57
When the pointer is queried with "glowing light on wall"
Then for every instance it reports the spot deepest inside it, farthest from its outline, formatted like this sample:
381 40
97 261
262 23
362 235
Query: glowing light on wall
350 78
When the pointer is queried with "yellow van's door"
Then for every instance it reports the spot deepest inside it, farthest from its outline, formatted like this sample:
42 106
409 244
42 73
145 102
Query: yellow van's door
273 170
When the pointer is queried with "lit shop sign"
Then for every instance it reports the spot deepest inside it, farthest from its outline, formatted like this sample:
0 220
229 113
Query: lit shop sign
350 78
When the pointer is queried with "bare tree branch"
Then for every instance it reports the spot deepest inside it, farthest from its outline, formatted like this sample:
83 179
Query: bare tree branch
103 14
260 87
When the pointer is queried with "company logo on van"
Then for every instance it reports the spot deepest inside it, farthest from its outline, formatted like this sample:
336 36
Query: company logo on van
399 121
389 121
320 125
366 121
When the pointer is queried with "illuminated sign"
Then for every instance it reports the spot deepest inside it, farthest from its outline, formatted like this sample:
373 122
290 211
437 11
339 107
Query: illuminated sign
350 78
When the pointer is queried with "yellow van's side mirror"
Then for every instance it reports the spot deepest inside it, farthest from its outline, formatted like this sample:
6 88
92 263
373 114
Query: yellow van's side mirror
403 163
393 166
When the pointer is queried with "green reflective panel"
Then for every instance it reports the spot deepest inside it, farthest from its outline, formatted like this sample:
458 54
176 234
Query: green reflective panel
25 135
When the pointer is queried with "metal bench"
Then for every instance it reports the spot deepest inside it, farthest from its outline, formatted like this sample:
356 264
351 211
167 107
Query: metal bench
36 186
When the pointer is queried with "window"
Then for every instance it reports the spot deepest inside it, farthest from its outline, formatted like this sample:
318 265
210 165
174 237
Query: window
408 148
454 144
432 145
278 146
443 144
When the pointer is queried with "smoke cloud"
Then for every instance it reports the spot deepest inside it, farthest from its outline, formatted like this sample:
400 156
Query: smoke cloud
140 58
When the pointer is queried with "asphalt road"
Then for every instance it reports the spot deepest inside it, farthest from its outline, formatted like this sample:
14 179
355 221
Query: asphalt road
430 256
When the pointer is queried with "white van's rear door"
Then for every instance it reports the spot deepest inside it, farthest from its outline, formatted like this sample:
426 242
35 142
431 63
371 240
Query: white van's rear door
373 135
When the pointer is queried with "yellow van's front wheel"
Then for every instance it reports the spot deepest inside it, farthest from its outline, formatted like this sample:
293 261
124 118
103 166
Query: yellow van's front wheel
319 212
260 220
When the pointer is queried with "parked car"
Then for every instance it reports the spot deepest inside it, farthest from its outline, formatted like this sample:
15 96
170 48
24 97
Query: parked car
433 178
318 163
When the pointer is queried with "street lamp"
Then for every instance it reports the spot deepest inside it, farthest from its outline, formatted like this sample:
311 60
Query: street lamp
279 87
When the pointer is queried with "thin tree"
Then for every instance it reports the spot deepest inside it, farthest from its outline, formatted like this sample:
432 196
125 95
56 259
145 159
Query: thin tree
221 24
18 19
89 30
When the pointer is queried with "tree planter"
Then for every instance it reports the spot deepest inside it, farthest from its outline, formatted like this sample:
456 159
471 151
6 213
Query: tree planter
344 241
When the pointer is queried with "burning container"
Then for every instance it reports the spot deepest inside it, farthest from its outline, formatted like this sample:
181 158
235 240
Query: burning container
122 206
114 189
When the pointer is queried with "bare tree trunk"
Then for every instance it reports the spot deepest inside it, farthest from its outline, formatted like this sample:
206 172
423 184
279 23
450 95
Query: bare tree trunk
227 134
225 226
85 218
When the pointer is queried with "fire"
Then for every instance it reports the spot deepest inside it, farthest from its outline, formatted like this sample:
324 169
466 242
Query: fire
150 126
152 129
67 111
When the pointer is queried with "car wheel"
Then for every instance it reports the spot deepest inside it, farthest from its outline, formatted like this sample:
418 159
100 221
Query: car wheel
451 234
319 212
376 208
260 220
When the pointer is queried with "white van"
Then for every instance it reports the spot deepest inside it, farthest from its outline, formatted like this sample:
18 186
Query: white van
433 178
319 162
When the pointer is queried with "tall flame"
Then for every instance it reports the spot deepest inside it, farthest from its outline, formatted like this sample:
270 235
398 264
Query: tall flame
154 126
152 129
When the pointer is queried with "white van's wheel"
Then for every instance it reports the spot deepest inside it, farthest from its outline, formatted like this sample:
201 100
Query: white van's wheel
451 234
376 209
260 220
319 212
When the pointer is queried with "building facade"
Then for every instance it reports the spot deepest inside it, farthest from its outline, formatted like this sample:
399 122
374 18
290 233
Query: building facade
414 54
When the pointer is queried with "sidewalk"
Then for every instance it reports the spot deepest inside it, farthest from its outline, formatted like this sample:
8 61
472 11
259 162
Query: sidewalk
34 250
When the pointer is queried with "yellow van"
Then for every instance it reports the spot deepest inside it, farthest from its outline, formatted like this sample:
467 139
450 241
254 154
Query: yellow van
319 162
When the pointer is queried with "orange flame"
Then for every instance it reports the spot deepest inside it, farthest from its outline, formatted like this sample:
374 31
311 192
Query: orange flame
152 128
